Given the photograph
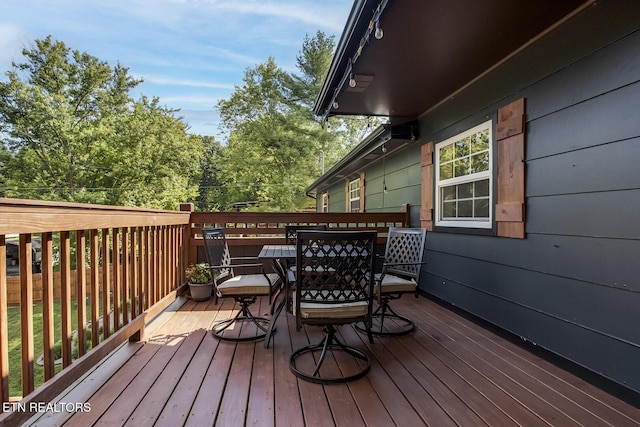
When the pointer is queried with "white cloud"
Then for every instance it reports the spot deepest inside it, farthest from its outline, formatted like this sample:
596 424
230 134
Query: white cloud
188 99
12 41
168 81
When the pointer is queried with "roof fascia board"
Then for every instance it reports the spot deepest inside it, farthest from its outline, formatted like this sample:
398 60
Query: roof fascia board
341 57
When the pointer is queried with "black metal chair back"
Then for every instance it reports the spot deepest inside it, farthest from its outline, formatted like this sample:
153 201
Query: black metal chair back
404 252
217 252
334 286
403 260
243 288
291 231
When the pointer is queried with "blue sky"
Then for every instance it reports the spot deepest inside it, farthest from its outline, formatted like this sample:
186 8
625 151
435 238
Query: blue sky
190 53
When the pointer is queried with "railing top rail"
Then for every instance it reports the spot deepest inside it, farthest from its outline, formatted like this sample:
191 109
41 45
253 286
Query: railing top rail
34 216
20 205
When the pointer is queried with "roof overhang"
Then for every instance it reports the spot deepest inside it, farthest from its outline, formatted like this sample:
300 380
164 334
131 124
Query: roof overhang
430 49
366 153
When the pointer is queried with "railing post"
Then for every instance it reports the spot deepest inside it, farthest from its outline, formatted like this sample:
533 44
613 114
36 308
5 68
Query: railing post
190 252
407 216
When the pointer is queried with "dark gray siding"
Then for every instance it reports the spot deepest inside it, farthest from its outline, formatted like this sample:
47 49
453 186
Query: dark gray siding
401 172
573 285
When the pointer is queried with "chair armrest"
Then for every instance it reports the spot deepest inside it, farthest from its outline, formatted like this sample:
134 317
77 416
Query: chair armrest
386 264
244 258
235 265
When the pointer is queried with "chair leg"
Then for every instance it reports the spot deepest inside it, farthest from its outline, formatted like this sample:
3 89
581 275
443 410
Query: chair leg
242 320
329 342
400 325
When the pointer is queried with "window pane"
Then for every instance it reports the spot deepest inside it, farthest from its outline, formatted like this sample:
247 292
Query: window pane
462 147
465 191
480 162
449 193
480 141
446 171
462 167
465 208
449 209
482 188
446 153
481 208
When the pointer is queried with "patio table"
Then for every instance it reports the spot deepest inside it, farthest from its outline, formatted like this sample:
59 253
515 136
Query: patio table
278 254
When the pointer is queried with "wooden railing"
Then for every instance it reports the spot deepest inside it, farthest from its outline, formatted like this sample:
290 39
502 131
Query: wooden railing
247 232
127 264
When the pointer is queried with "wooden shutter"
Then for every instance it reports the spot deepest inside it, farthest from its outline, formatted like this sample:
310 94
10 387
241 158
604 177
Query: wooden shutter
362 198
347 204
510 137
426 196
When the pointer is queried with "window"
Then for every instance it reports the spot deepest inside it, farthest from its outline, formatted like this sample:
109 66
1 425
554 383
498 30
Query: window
463 167
325 202
354 195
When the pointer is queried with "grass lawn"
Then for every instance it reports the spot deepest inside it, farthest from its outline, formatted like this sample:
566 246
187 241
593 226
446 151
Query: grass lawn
15 356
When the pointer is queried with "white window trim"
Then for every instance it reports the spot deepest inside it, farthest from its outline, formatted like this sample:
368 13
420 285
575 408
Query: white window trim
354 187
464 222
325 202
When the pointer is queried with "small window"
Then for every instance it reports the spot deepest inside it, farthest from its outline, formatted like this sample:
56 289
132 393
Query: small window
463 167
354 195
325 202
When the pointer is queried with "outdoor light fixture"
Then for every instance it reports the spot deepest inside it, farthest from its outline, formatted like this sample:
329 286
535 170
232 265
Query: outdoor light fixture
379 33
335 105
352 81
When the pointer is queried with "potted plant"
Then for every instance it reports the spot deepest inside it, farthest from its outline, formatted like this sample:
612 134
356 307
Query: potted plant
200 283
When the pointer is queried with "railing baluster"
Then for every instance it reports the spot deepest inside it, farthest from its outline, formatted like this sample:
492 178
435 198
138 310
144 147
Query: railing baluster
48 334
134 273
65 296
153 251
26 312
95 288
125 276
115 263
147 268
4 330
81 291
106 285
141 270
166 261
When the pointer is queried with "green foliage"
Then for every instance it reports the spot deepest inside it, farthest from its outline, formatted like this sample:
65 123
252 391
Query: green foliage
198 273
75 134
274 140
212 194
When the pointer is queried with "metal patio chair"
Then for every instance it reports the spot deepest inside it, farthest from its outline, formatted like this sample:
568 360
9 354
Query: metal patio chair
403 260
334 286
243 288
291 231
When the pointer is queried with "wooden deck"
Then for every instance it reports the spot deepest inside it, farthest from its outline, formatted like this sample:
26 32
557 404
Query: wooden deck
449 372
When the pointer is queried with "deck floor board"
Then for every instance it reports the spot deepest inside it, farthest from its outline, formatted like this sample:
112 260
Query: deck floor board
450 371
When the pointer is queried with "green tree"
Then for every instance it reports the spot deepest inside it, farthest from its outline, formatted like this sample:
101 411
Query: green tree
75 134
212 195
274 138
